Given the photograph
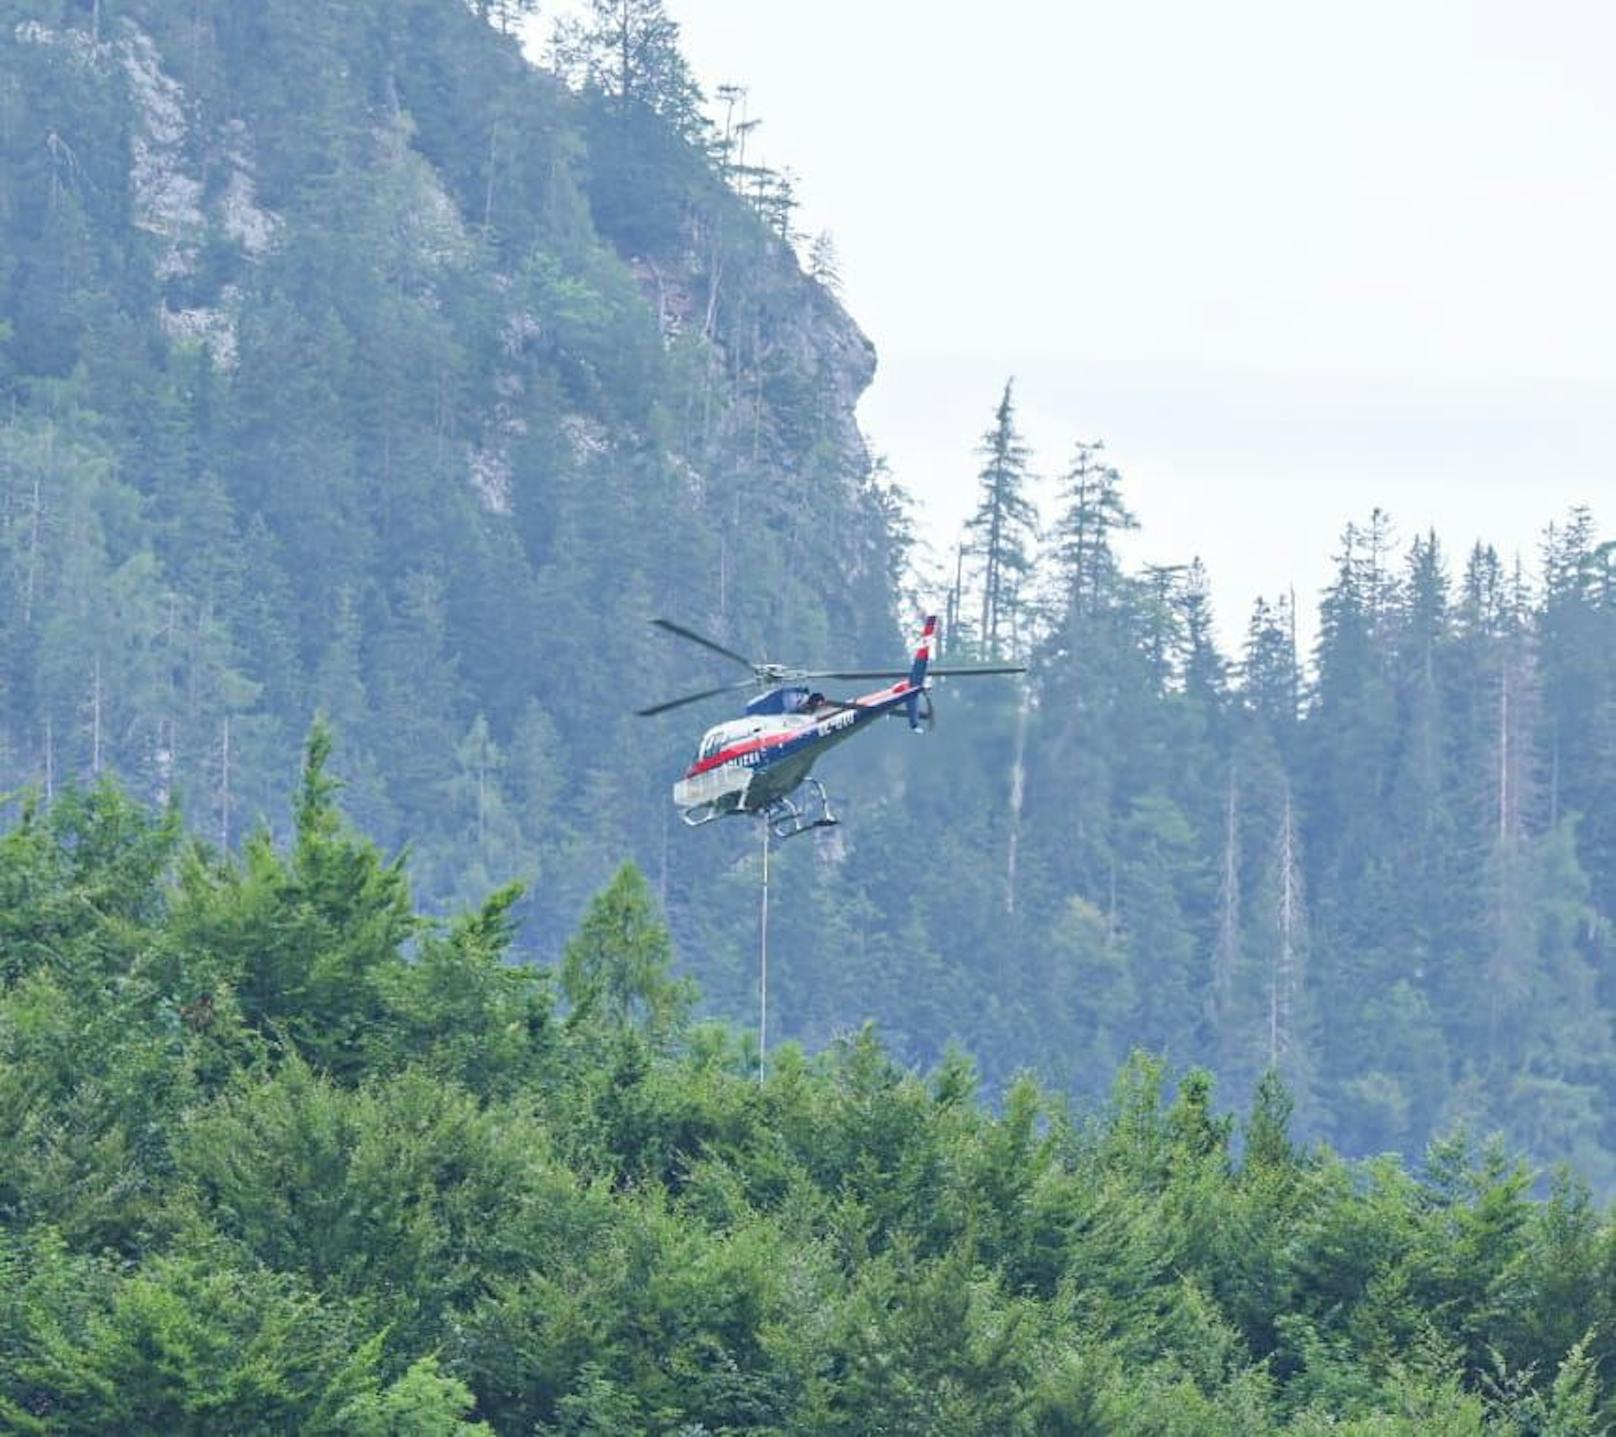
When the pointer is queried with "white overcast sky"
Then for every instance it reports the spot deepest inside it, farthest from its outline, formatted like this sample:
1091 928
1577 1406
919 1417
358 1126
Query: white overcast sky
1289 260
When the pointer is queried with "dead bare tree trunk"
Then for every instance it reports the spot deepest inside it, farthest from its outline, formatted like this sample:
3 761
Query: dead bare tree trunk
482 795
165 761
1018 784
33 528
224 786
1503 753
490 180
1283 976
95 717
1226 948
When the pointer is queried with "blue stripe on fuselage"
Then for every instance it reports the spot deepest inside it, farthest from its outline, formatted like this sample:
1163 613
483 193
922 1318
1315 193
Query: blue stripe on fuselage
826 733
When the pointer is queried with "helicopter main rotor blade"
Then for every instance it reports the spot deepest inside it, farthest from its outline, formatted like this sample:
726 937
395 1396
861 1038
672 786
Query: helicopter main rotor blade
966 671
679 703
850 674
942 672
701 639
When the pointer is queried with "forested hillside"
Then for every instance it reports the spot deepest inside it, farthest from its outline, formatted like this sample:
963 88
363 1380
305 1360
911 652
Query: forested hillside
350 362
1385 868
353 363
284 1156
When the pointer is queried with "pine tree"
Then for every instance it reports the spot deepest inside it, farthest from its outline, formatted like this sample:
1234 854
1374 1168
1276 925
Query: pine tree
482 845
1271 676
504 15
1152 879
1205 672
1226 945
1427 881
1093 513
824 267
1003 527
1577 640
1159 612
1353 719
629 51
616 970
414 684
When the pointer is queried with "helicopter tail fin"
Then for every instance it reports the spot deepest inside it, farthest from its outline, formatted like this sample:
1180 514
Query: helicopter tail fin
925 650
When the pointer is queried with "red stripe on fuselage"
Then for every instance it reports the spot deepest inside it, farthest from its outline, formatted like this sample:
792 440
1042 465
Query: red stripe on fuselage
774 740
740 750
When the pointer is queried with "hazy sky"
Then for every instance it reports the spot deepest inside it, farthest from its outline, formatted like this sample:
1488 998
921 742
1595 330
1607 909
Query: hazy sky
1289 260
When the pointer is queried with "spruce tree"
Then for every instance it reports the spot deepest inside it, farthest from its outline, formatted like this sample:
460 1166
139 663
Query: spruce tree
1093 513
1004 526
1270 672
629 51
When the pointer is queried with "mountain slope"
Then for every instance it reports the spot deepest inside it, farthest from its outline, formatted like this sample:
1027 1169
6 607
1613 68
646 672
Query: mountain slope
351 362
341 375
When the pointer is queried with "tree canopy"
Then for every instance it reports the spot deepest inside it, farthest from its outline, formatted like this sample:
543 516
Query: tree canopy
353 363
285 1154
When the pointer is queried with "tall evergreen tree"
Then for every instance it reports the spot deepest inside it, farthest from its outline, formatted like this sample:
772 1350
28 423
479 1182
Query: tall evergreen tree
629 50
1093 513
1003 527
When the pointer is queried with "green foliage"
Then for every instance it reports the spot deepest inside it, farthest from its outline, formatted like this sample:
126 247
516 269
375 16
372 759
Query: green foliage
421 1403
286 1155
187 1343
350 363
302 938
616 970
629 51
1003 527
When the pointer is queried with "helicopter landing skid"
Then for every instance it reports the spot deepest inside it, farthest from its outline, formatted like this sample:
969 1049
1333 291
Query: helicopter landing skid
787 819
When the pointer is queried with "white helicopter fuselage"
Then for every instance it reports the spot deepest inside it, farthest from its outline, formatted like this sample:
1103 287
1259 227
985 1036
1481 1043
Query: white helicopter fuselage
746 764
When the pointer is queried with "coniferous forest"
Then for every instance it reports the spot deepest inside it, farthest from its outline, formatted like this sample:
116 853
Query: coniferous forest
361 377
284 1155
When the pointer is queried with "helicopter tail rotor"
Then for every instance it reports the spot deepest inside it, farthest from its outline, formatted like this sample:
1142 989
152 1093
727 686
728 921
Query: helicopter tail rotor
920 712
917 670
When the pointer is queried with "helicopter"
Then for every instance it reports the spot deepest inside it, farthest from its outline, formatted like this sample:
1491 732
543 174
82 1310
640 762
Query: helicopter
752 765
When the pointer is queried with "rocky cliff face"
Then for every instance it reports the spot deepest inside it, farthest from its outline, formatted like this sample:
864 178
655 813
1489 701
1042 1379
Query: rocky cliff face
331 388
167 196
809 329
